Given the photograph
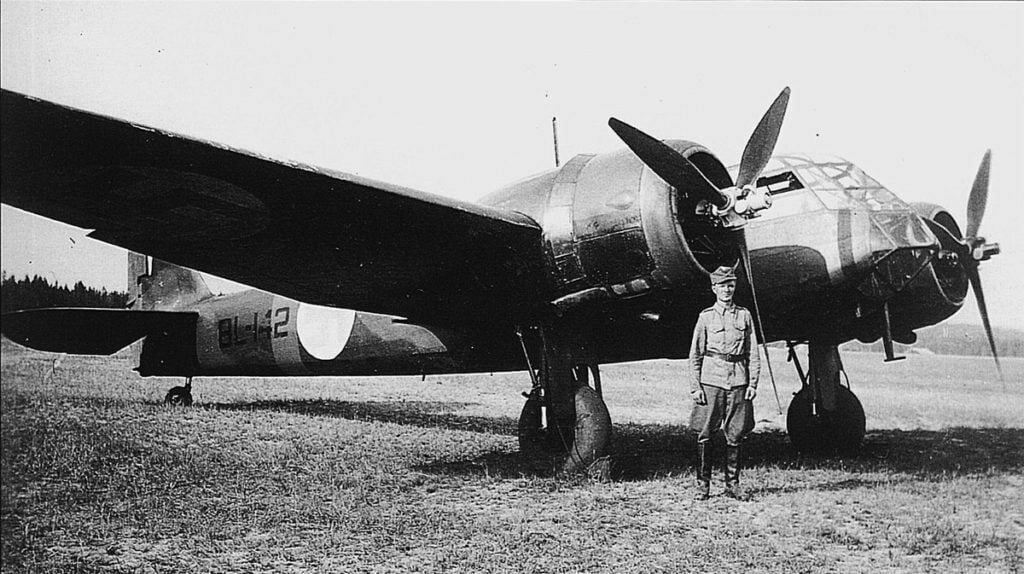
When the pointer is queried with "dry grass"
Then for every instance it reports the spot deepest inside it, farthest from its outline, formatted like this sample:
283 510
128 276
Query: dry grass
399 475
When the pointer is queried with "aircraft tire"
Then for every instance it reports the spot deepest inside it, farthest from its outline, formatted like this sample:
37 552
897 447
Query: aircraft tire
841 431
179 397
544 451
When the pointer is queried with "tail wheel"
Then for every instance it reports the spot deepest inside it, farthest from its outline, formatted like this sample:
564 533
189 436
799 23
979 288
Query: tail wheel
179 396
841 430
546 449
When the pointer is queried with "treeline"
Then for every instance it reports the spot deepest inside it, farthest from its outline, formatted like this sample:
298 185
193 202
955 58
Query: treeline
955 339
37 292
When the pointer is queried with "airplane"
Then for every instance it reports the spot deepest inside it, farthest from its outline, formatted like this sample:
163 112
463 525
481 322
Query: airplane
603 259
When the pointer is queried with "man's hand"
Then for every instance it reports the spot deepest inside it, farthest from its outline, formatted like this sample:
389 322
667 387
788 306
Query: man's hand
698 397
751 393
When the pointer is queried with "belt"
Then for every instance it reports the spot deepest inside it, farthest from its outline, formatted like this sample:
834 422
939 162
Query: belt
727 357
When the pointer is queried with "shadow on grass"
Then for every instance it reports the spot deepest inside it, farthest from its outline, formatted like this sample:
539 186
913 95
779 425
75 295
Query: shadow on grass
426 414
642 452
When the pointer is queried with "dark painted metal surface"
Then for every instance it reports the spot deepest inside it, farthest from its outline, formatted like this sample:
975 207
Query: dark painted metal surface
602 245
320 236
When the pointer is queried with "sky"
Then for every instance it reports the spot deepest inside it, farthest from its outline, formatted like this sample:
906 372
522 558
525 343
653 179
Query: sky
457 98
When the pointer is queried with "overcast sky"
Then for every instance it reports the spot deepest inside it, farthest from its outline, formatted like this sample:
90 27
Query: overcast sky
457 99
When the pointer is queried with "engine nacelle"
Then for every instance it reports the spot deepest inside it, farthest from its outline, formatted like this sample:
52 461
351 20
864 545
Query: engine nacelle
939 291
614 229
938 214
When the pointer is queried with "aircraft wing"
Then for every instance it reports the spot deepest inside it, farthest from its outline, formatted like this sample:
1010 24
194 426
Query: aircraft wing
314 235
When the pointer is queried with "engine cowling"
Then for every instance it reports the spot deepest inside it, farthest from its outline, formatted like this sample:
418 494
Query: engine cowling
615 229
949 274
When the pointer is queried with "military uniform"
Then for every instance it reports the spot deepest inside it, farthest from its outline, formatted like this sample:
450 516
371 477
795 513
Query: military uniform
724 363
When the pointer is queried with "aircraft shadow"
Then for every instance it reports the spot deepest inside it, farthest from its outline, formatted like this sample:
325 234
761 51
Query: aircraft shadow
427 414
643 452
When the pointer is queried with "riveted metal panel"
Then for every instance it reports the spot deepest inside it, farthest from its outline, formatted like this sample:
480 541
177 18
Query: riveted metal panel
559 229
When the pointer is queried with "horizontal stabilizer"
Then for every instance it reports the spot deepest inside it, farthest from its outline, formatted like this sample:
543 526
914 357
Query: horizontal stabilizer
84 331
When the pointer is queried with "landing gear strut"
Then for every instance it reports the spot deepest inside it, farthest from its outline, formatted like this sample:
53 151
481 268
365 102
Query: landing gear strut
564 424
824 417
181 395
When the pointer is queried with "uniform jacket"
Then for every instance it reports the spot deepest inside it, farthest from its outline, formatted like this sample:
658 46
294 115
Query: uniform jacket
720 331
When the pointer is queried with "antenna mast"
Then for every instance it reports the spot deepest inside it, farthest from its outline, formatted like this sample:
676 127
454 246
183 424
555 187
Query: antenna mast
554 133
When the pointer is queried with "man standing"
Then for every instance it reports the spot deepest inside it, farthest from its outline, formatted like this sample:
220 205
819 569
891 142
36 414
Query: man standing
725 368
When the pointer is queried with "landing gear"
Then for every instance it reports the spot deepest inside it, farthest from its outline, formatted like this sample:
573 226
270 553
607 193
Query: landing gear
564 424
825 417
813 429
180 396
566 452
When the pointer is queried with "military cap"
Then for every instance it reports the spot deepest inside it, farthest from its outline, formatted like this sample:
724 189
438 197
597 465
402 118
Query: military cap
723 274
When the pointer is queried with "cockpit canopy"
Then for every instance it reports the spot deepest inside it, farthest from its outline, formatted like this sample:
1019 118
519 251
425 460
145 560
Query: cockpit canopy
800 184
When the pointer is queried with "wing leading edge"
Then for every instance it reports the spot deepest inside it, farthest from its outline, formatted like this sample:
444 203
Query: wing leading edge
314 235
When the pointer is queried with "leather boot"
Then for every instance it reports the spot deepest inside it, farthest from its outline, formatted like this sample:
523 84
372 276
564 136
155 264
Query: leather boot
733 463
703 471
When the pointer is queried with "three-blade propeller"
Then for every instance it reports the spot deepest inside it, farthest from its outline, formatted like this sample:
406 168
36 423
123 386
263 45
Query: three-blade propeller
974 250
682 174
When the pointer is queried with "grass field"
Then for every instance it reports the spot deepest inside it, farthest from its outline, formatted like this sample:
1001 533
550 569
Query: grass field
403 475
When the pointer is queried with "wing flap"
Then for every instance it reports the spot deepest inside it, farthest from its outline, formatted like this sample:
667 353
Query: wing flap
85 331
314 235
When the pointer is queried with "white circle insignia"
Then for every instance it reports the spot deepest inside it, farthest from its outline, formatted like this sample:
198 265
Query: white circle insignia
324 331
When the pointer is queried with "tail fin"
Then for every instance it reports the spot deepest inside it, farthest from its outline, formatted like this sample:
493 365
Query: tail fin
138 266
158 285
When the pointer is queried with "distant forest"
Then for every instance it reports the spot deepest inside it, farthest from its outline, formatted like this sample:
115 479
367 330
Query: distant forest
37 292
954 339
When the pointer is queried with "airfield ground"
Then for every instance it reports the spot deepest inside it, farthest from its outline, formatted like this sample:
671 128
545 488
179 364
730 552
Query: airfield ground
403 475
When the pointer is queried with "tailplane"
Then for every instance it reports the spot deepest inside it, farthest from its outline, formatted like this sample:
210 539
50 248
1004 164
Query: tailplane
83 331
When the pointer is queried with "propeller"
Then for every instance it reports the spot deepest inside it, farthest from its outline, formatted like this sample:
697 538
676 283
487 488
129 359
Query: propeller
971 249
734 203
979 196
761 144
975 249
755 157
670 165
682 174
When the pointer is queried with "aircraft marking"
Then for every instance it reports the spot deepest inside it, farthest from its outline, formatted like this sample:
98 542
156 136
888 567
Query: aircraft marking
286 349
324 331
231 332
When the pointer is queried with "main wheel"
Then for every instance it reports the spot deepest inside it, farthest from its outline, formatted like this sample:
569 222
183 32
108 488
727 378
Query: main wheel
179 396
841 430
593 433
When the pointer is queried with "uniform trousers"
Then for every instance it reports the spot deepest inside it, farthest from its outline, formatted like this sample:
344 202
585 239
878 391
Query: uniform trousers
725 407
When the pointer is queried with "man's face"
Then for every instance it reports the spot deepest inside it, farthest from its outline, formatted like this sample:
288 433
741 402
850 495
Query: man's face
724 291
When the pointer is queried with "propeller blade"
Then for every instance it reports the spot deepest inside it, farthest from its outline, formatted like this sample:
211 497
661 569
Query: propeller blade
761 144
669 164
975 278
745 258
979 197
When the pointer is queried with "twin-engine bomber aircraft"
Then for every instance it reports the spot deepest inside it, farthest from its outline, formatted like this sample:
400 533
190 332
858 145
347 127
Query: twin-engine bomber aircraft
604 259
